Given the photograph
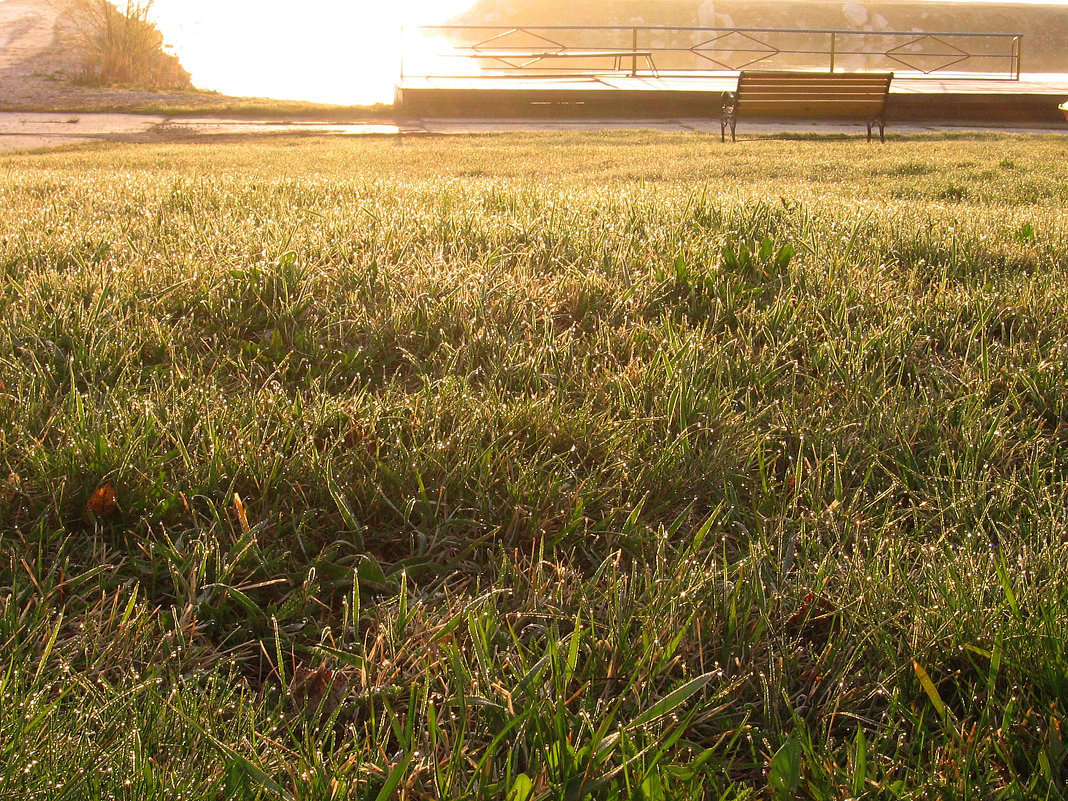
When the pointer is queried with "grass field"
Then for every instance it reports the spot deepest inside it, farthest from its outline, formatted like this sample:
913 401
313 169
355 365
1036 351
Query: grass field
535 467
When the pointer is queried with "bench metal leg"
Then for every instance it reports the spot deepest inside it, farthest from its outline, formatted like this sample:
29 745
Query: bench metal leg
881 122
724 121
728 116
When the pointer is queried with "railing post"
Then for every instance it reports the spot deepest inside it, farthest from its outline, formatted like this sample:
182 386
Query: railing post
634 51
833 42
1017 43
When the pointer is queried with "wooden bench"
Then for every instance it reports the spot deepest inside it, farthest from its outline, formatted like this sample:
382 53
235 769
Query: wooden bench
857 96
531 57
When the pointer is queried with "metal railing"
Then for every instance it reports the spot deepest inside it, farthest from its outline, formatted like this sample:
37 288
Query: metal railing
571 50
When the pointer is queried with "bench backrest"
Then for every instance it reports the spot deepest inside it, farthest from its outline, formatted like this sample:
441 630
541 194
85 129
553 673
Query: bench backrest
817 94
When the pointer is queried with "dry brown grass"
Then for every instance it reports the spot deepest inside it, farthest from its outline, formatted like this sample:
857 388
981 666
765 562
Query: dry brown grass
119 45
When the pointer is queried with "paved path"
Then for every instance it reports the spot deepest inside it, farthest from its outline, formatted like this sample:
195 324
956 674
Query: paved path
31 130
25 130
22 130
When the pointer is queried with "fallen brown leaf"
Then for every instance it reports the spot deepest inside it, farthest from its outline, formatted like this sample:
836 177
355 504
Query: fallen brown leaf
102 503
317 691
814 619
10 488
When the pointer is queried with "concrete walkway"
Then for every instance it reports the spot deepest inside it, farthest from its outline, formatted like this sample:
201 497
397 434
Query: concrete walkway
21 130
25 130
31 130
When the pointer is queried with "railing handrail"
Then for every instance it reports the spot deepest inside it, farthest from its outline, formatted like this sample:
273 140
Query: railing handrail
716 29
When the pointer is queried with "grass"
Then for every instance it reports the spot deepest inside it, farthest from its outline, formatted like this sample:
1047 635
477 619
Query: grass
535 467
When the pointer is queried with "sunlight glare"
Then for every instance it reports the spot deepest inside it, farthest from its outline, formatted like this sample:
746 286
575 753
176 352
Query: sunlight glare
328 51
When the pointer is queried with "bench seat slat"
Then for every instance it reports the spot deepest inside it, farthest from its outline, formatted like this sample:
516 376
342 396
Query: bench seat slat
839 97
787 103
814 76
801 90
811 87
823 80
813 110
748 102
828 90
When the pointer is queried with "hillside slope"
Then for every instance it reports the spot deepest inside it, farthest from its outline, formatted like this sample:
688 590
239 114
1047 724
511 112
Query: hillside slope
37 70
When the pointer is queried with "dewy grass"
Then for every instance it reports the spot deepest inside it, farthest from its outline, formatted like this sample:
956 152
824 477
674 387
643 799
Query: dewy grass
530 467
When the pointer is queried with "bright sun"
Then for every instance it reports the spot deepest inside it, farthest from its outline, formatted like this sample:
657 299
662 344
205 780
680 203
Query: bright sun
330 51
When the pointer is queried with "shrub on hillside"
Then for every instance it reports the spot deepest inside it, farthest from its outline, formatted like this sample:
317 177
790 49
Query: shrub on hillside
120 45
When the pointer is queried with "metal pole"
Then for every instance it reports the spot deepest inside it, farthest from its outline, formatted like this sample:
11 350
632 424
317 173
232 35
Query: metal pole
833 42
634 51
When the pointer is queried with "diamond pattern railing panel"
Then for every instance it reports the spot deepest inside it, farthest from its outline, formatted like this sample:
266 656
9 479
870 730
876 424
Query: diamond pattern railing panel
762 50
914 58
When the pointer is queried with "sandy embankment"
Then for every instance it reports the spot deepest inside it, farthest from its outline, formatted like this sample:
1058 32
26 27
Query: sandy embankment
38 65
30 64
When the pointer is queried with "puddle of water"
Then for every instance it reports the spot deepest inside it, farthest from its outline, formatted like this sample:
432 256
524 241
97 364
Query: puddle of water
205 126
